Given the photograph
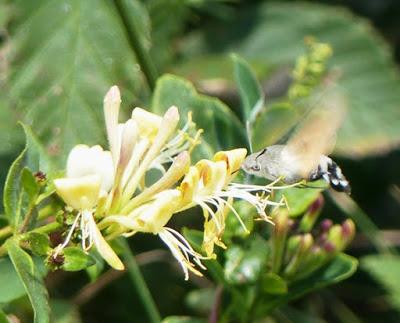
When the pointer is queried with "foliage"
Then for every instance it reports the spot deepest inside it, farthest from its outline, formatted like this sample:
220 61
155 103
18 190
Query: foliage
252 247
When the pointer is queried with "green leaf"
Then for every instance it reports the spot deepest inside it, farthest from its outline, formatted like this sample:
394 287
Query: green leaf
39 243
272 124
370 83
11 286
222 129
32 281
244 264
340 268
74 51
21 189
273 284
250 91
386 270
299 199
164 29
76 259
183 319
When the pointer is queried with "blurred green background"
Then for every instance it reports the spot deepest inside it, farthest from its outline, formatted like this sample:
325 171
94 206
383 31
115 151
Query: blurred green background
57 59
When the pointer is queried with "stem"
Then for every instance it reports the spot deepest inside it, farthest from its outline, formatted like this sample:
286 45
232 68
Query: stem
140 284
5 232
135 43
48 228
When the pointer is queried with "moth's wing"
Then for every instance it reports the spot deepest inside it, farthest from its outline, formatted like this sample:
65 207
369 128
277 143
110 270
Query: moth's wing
317 135
306 108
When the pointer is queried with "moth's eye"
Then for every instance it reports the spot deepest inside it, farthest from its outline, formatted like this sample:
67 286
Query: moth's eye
255 168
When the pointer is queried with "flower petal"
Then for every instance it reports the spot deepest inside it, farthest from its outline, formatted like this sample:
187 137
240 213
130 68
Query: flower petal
112 102
80 193
101 244
84 160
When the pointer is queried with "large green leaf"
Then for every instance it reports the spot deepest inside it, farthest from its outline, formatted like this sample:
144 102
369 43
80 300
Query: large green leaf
250 91
11 285
273 33
32 281
386 270
20 189
66 56
222 130
340 268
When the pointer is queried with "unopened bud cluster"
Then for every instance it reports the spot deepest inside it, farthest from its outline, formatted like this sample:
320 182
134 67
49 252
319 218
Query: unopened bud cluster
300 247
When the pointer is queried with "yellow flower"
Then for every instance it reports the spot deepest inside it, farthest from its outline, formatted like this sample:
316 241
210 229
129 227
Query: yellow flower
110 193
104 182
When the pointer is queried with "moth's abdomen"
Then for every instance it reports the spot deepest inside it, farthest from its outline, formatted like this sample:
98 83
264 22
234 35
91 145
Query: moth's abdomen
331 172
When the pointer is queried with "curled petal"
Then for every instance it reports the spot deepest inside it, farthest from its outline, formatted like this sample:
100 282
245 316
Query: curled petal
189 185
80 193
233 158
212 174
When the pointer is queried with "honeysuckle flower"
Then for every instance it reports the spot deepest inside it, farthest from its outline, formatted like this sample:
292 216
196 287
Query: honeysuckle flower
83 194
99 183
109 191
209 185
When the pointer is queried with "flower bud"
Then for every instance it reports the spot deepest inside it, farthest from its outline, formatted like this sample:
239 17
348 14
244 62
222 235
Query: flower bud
281 229
308 220
303 247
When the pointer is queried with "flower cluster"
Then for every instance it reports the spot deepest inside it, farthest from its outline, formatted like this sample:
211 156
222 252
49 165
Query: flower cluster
109 190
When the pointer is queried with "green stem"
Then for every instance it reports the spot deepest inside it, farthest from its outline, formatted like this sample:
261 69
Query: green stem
140 284
5 232
48 228
135 43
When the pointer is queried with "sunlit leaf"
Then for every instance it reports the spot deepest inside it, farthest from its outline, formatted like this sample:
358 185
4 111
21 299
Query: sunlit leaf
67 55
250 91
222 130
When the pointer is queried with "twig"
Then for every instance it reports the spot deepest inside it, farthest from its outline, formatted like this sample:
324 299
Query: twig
91 290
214 314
